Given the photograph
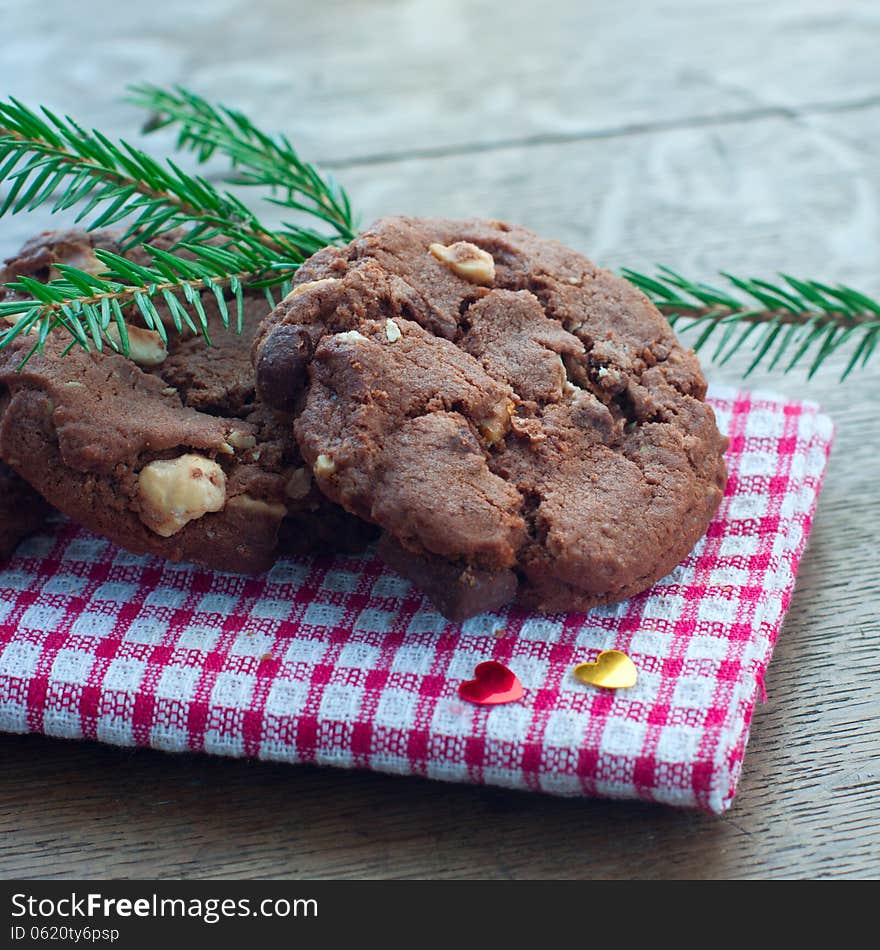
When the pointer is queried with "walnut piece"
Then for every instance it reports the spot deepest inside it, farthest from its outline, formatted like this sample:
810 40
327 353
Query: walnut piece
241 440
10 319
173 492
493 428
324 466
309 284
145 347
467 260
350 336
81 256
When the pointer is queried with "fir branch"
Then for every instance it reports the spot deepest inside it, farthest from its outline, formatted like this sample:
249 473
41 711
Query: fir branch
45 159
257 157
788 319
90 307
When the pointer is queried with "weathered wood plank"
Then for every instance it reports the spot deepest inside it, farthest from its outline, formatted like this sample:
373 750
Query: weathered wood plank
353 78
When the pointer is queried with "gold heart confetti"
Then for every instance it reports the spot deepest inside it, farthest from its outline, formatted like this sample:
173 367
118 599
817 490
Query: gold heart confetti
611 670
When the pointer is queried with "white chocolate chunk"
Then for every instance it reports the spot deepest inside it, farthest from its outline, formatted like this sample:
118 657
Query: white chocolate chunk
392 331
173 492
467 260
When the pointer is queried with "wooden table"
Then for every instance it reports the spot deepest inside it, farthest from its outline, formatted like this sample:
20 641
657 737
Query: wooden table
706 135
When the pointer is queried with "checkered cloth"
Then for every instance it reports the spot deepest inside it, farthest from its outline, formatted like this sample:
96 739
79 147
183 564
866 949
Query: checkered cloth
341 662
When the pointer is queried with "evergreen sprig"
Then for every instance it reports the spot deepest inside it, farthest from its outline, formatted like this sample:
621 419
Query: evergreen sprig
222 245
788 319
50 159
257 158
86 305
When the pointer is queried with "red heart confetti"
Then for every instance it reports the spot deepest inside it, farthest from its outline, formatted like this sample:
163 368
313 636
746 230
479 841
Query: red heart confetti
493 684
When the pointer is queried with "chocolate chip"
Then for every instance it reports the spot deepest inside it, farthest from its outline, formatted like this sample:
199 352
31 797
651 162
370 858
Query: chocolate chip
282 365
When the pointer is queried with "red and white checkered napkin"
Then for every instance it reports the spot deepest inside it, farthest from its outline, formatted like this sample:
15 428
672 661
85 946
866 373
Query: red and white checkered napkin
339 661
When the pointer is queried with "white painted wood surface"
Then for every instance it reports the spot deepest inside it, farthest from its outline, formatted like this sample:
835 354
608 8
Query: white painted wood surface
704 134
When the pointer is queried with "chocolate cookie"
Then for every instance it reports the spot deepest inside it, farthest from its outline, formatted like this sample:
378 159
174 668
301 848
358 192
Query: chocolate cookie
521 423
22 511
169 453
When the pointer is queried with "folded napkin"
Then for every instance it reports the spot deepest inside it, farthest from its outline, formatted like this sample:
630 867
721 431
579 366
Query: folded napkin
341 662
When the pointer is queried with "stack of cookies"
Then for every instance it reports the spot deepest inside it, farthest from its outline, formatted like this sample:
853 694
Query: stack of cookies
503 419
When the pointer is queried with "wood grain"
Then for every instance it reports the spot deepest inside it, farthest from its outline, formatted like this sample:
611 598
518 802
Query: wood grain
706 135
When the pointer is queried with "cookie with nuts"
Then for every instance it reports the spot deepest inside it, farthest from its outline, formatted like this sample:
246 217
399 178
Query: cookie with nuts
522 424
168 453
